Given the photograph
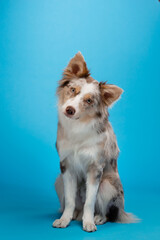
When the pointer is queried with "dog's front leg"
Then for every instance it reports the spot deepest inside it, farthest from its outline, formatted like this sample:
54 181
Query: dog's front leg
92 183
70 186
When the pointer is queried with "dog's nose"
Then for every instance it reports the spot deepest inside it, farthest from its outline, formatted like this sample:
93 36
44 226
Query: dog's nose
70 110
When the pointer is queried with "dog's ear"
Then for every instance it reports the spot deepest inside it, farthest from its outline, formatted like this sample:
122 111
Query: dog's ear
76 67
109 93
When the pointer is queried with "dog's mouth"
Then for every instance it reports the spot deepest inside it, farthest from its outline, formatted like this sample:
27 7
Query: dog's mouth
71 117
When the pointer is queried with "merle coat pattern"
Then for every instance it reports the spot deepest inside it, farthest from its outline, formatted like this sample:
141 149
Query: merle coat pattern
89 187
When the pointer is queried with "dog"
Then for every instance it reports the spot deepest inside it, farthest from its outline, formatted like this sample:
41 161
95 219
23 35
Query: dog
89 187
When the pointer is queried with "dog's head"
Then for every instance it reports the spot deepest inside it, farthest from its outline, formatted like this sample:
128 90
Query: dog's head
82 97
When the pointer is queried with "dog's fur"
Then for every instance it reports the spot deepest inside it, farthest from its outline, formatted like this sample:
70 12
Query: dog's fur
89 187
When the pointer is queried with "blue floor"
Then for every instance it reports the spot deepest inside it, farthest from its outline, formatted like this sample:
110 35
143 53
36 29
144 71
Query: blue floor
28 215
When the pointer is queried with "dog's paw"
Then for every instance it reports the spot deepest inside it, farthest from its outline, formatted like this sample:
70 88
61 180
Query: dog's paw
60 223
89 227
98 220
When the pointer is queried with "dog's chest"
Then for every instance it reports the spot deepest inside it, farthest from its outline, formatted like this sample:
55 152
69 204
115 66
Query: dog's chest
79 154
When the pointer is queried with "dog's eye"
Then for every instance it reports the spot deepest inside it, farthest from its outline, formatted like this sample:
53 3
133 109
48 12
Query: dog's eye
89 101
73 90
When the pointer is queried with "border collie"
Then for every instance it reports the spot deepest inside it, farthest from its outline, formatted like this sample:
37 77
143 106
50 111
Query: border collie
89 187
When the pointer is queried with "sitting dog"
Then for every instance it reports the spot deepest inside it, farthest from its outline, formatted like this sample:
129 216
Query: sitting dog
89 187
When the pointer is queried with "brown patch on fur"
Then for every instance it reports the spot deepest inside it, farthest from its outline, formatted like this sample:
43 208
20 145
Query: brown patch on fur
78 89
75 68
90 79
109 93
65 83
86 118
98 114
88 96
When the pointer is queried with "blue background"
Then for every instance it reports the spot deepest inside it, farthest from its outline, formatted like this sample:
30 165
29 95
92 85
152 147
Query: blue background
120 41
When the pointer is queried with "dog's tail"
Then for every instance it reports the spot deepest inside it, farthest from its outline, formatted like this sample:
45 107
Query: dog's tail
124 217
